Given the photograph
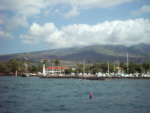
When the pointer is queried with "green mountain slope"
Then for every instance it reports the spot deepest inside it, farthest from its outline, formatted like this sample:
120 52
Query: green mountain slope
137 53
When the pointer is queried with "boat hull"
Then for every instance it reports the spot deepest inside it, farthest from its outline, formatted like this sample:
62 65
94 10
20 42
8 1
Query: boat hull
24 75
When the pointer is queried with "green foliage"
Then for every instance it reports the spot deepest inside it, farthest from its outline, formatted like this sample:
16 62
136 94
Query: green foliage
34 69
138 68
103 68
15 64
80 68
45 61
132 67
68 71
146 66
40 68
2 67
57 62
52 62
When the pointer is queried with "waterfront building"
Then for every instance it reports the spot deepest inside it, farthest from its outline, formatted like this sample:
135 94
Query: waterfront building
54 70
120 70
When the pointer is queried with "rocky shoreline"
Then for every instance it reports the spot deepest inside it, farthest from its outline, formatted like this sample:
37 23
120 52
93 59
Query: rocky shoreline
93 78
77 77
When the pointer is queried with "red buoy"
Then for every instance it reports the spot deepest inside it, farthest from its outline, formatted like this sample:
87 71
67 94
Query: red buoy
90 95
16 73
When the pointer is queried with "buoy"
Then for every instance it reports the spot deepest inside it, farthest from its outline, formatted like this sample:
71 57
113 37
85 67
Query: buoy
16 73
90 95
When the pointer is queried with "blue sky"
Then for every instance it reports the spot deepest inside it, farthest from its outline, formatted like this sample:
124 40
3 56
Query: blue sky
35 25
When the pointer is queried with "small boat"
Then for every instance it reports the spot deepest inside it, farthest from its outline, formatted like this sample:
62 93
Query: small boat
24 75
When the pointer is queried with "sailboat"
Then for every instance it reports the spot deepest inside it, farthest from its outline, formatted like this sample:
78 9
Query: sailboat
127 75
108 69
26 65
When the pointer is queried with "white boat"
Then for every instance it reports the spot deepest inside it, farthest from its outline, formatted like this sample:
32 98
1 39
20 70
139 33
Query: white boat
24 75
99 74
26 67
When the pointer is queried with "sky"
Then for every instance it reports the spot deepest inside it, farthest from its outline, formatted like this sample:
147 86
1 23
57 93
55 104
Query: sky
36 25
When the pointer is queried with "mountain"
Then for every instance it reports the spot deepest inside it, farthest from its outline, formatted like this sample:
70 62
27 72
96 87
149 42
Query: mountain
71 56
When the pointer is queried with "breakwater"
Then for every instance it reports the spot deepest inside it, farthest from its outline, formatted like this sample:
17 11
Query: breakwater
93 78
76 77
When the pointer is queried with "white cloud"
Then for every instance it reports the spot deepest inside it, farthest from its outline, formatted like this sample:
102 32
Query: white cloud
31 7
12 23
71 13
116 32
29 42
1 21
36 32
5 35
47 11
16 21
23 7
141 11
88 3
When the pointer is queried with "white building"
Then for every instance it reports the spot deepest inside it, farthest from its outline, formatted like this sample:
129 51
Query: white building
53 70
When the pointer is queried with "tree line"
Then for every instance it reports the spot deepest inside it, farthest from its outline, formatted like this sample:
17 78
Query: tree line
28 66
24 66
103 67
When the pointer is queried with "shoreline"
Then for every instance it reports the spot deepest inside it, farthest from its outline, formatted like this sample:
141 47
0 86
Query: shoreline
77 77
92 78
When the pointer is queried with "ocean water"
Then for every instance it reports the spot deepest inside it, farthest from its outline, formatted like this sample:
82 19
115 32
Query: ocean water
36 95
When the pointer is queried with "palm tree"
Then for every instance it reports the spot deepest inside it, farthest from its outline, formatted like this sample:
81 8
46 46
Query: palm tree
57 62
52 65
45 61
145 66
52 62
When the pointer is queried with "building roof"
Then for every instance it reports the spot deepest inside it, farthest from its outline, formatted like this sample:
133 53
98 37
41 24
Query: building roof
119 68
58 68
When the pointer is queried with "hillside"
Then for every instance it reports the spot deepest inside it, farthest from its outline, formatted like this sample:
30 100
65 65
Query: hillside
71 56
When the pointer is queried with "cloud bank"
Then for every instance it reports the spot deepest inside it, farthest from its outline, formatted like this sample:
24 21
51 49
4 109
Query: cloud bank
141 11
5 35
115 32
29 8
15 13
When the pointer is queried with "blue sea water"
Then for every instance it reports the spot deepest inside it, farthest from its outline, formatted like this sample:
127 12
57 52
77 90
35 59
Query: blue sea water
36 95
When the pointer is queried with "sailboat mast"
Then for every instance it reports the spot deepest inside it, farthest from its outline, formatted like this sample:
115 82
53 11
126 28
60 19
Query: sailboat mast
114 67
108 66
127 64
84 64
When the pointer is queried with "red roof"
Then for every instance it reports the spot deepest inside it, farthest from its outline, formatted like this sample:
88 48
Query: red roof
58 68
119 68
